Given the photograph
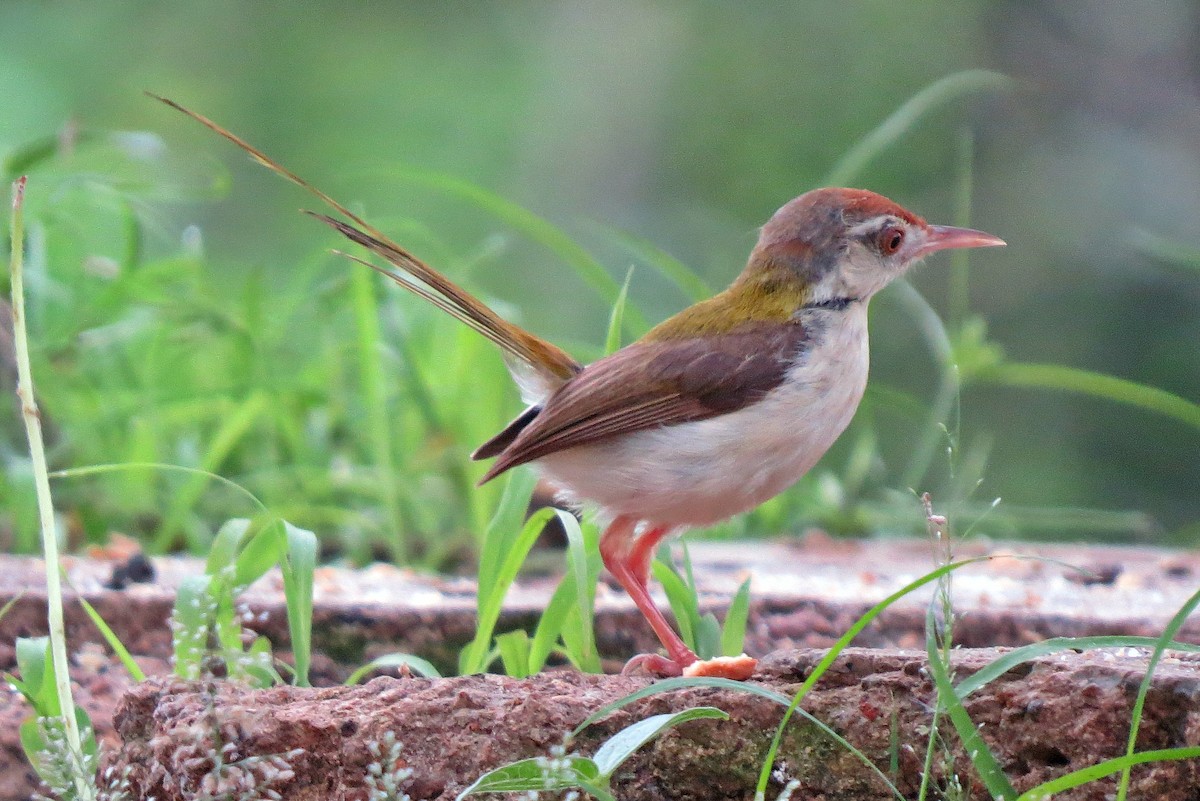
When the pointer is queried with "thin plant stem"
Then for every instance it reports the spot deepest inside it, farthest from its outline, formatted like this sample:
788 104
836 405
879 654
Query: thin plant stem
37 453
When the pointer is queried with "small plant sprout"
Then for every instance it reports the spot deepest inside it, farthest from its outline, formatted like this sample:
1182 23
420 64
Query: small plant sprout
561 770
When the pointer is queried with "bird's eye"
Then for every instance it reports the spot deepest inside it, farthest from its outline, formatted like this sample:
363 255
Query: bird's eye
890 239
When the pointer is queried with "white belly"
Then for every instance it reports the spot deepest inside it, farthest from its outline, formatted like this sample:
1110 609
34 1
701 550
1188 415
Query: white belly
696 474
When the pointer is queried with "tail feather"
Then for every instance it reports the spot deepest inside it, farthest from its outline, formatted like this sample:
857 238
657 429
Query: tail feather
526 353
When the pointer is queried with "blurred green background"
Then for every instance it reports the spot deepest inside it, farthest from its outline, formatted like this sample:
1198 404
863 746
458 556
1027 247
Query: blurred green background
184 313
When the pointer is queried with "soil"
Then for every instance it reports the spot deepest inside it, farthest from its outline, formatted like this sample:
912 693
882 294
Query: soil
806 594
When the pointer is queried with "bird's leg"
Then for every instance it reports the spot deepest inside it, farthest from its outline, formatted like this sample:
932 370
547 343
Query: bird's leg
627 557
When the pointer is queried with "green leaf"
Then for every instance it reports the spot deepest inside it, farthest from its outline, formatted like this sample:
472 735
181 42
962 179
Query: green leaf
681 600
621 745
418 665
831 655
733 635
708 636
223 550
472 659
1077 778
114 642
1176 622
670 685
550 624
193 606
262 551
534 775
1100 385
998 667
299 566
612 340
504 527
973 744
581 639
37 675
514 653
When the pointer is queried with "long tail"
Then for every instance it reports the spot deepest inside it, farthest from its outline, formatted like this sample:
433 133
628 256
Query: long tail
537 365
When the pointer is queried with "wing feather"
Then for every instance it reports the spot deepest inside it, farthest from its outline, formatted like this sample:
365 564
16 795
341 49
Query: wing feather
658 383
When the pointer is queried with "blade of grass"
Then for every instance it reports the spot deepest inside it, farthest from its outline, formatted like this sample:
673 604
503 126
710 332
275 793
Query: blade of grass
832 654
692 285
939 93
977 749
473 657
504 527
586 655
624 743
365 307
998 667
37 452
1139 704
1077 778
550 623
670 685
680 599
100 469
612 340
733 633
299 566
228 435
418 665
514 653
1166 250
114 642
1100 385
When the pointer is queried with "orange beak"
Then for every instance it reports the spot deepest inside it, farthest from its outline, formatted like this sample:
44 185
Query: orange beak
943 237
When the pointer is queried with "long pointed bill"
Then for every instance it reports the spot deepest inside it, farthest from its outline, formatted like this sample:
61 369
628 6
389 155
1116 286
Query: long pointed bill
943 237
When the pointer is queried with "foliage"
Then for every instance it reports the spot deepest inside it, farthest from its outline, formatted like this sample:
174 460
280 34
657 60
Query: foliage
207 622
702 633
563 771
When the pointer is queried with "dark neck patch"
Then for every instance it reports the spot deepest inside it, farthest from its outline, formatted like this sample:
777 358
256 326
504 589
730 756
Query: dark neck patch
831 304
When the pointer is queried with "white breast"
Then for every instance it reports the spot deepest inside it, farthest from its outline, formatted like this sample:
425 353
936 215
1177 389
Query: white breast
699 473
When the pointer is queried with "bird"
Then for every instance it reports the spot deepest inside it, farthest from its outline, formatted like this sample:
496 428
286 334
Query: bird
713 411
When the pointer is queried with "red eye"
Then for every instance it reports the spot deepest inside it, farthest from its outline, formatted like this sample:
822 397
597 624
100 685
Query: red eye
890 239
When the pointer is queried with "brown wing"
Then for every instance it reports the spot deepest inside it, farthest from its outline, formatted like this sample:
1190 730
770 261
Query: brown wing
650 384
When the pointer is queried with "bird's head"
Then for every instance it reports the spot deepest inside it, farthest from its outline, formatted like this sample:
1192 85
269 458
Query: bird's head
847 244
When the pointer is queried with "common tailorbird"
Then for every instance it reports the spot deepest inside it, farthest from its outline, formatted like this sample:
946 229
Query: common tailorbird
713 411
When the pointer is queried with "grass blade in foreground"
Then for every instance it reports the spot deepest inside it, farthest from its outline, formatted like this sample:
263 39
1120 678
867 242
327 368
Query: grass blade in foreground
1017 656
977 750
1046 790
1168 634
593 775
829 658
668 685
37 452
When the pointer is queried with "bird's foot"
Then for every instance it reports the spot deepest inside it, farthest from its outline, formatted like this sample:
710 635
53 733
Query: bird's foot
738 668
654 664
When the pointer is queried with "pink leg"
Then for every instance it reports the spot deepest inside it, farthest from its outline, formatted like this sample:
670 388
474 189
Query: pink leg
627 557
